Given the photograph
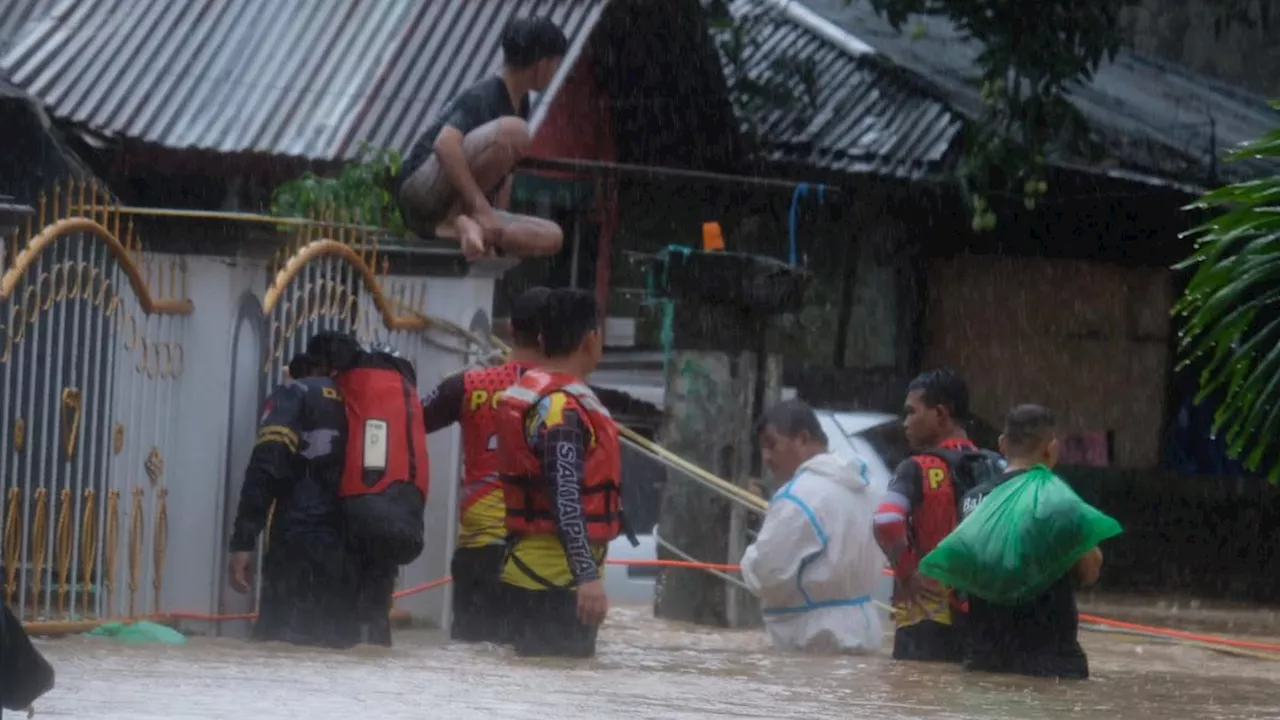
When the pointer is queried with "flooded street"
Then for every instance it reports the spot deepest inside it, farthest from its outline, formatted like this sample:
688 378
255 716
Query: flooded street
646 668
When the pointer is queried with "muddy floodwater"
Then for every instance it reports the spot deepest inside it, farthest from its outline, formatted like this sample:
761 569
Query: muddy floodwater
646 668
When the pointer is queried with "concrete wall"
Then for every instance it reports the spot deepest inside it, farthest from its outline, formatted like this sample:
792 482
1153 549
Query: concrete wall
1088 340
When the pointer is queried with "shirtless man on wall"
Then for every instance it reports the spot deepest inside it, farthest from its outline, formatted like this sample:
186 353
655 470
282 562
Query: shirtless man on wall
457 179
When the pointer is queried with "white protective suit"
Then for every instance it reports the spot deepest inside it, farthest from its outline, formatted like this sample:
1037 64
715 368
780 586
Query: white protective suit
815 563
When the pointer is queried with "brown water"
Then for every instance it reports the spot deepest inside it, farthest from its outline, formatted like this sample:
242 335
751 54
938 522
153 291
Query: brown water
646 669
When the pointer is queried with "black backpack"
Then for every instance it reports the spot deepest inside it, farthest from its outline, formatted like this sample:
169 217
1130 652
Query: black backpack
970 468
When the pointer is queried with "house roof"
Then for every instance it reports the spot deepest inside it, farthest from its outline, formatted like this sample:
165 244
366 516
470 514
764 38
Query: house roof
299 78
860 116
1137 101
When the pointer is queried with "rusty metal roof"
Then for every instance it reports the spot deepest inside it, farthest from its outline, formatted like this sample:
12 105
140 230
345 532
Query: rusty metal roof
299 78
860 114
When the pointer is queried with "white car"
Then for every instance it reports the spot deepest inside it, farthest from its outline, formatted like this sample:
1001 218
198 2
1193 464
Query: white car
875 437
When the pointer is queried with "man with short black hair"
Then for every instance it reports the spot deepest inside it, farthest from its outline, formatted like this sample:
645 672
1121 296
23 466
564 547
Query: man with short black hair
814 564
561 474
920 507
470 398
1038 637
448 182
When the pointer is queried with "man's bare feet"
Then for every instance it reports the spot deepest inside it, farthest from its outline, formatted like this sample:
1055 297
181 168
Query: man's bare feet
470 237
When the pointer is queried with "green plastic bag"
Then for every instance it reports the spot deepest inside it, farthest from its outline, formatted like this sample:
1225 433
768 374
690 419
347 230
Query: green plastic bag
1025 535
139 633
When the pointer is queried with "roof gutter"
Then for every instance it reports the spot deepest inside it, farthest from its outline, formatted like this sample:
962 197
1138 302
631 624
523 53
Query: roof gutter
800 14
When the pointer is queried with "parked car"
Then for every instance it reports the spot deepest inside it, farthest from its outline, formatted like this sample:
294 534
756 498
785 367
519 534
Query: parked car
876 438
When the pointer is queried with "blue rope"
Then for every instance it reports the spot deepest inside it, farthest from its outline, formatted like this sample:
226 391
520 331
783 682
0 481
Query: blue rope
801 190
667 333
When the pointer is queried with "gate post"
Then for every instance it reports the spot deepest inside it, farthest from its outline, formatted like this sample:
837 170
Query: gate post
723 372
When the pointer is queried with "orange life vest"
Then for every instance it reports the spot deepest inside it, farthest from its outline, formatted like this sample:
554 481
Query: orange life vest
524 487
479 419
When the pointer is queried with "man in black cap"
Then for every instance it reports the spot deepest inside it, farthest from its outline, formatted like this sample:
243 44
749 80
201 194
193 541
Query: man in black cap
309 579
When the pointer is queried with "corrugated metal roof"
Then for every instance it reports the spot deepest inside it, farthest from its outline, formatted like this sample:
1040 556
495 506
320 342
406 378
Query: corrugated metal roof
300 78
14 14
861 118
1136 100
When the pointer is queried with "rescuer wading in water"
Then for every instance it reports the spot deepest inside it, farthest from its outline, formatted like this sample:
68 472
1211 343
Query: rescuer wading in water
470 398
1037 637
921 507
342 453
308 577
561 471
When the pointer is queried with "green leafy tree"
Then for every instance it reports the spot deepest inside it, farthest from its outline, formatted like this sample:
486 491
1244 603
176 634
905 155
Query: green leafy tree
1231 311
1032 53
362 189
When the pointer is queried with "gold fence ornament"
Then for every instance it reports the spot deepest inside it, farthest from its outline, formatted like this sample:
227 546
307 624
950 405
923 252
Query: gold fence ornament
126 250
161 548
71 406
117 438
111 545
88 548
39 538
63 543
154 465
19 435
12 544
135 549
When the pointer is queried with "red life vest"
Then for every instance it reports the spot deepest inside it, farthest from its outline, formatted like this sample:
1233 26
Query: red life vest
386 476
525 489
479 420
939 510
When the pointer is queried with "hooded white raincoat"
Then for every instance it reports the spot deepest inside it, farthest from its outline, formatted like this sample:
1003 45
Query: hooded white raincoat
815 563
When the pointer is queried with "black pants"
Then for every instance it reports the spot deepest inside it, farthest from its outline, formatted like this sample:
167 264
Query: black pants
928 641
544 623
479 606
315 591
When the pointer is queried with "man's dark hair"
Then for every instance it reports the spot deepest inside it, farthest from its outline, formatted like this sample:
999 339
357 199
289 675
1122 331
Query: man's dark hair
791 417
526 40
524 316
301 366
943 386
333 349
1027 428
566 318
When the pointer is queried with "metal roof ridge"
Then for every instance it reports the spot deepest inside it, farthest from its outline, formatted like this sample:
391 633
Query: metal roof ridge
800 13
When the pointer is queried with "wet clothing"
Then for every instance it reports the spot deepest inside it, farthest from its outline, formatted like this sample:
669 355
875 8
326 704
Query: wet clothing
470 399
920 507
425 193
542 570
1037 638
815 563
315 590
24 673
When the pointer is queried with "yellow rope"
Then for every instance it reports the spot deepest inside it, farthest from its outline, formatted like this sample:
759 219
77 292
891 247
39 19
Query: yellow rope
266 531
88 548
62 549
12 545
111 542
135 549
161 542
40 534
